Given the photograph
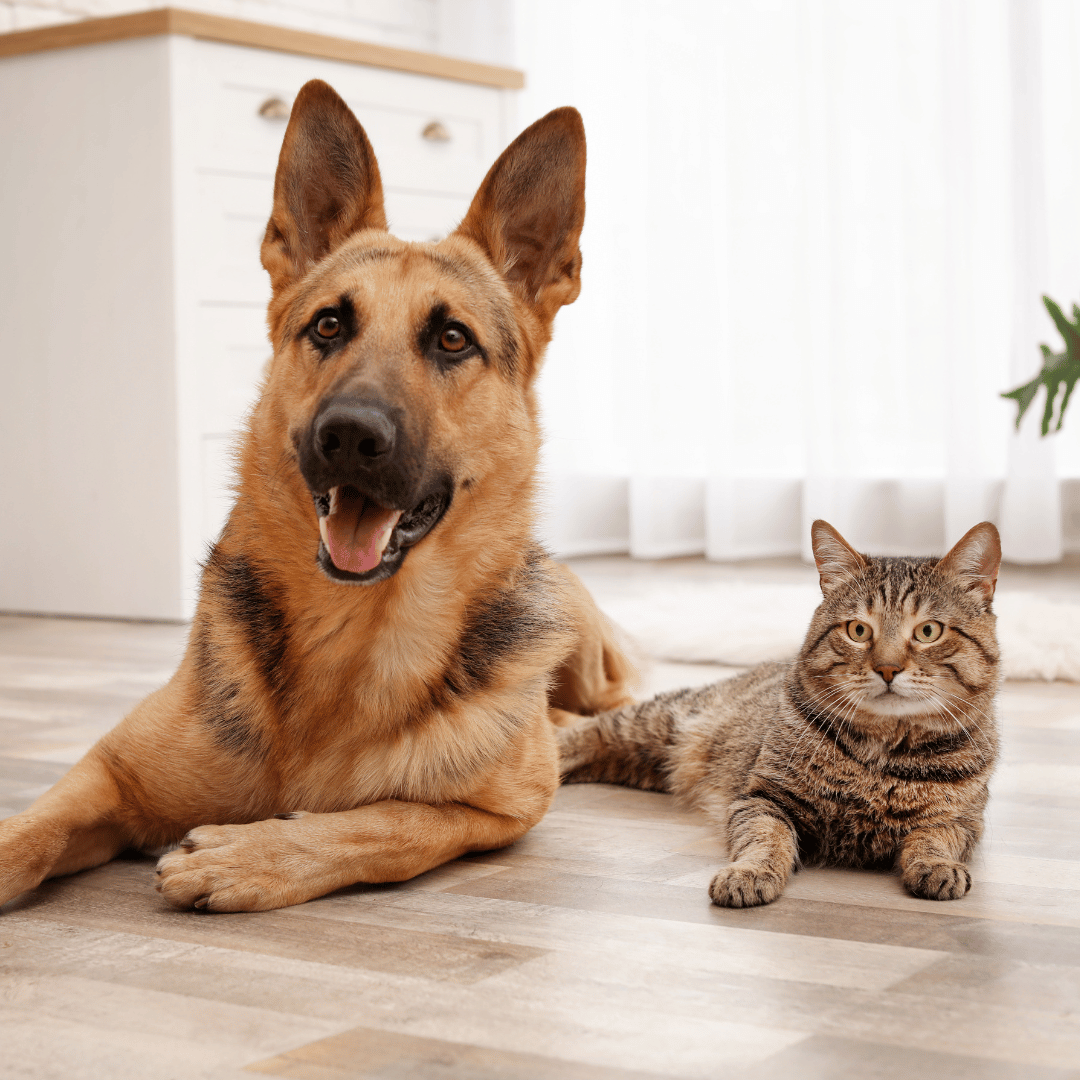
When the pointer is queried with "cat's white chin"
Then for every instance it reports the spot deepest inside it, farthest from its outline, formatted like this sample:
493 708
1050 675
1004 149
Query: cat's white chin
893 704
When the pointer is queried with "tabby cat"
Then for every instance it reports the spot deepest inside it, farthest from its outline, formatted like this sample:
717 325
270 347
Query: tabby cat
872 748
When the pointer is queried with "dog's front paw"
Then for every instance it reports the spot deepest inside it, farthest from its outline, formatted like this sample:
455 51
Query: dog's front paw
938 880
745 885
235 868
29 848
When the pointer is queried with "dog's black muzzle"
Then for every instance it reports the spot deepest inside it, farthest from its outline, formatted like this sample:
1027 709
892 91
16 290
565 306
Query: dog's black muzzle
357 456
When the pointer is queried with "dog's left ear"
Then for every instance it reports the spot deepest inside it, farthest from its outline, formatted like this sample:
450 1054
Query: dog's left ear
327 185
528 213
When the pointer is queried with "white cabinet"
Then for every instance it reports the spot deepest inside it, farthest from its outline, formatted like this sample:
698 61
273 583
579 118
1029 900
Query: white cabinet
135 183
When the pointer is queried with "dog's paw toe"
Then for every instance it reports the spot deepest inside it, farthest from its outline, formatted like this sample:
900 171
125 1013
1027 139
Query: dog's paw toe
231 868
207 888
208 836
180 881
741 886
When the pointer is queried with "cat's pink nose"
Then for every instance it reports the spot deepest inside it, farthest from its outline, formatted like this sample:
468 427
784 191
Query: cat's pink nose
887 671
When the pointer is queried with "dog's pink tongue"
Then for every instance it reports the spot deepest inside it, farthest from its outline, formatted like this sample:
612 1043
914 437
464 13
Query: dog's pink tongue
356 531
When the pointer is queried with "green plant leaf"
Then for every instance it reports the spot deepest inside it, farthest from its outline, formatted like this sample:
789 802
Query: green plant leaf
1059 373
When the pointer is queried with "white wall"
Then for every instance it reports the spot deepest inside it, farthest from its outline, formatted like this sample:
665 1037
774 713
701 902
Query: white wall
815 242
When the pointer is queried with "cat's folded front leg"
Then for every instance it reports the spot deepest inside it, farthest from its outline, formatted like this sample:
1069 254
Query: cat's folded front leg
932 861
764 848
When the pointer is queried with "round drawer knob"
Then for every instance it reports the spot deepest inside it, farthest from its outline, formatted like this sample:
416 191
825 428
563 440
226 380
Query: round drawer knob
436 131
274 109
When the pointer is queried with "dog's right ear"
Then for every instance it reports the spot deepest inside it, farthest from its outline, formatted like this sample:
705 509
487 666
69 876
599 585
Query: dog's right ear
528 213
327 185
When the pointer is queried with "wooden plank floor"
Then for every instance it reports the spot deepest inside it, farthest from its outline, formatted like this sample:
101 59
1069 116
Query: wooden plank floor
587 950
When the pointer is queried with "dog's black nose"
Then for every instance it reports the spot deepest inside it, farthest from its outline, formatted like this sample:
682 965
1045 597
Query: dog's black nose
348 435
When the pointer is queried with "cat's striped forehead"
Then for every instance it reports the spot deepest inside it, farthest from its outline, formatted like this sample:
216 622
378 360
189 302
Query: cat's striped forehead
901 584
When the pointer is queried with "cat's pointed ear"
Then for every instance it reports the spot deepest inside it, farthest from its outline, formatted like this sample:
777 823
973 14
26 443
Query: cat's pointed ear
974 560
528 213
837 561
327 185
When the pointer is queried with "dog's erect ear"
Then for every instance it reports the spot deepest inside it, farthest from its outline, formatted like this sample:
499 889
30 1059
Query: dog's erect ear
327 185
837 561
974 560
528 213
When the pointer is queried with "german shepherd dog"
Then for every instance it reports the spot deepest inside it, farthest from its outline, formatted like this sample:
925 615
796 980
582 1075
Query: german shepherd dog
379 648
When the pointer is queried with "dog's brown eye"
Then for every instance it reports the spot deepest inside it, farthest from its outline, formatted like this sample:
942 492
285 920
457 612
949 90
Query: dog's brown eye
928 631
453 340
858 631
328 326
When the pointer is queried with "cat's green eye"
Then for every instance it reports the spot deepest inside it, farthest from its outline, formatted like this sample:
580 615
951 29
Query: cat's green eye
859 631
928 631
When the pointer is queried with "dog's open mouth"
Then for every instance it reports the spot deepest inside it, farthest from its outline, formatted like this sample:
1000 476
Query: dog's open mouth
355 530
363 541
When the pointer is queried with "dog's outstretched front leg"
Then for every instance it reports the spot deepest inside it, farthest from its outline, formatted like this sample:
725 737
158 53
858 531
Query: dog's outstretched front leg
72 827
297 857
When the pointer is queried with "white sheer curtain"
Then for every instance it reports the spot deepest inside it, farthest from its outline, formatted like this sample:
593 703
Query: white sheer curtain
816 239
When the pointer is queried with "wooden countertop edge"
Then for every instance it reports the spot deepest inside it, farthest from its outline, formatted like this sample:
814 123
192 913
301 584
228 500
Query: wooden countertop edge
258 35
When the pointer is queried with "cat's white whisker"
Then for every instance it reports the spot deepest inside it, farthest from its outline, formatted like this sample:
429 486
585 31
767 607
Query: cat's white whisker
971 711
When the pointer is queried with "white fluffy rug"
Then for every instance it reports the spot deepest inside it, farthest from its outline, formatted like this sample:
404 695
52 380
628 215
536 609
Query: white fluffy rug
740 624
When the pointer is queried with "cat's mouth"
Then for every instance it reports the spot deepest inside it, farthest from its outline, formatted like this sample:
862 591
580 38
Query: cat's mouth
892 700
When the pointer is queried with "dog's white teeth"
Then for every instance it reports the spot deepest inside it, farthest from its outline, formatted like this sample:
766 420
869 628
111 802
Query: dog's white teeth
334 500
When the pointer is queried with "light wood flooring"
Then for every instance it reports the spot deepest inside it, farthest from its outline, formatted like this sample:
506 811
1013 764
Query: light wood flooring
587 950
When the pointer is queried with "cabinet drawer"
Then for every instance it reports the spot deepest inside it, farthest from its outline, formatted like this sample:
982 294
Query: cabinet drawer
231 351
416 215
394 107
230 214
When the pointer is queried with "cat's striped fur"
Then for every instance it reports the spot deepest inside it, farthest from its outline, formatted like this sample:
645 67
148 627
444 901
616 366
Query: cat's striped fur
872 748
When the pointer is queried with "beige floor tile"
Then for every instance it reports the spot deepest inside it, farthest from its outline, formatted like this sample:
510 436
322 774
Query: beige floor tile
1047 779
1018 870
618 943
413 951
35 1047
987 900
829 1058
589 949
382 1055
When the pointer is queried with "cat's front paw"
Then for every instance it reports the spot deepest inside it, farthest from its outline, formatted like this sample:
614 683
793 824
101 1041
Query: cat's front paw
746 885
938 880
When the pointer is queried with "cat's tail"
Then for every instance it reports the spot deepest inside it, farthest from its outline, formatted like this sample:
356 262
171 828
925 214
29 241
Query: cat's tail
633 745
